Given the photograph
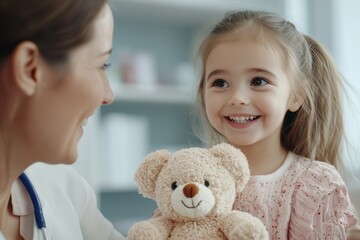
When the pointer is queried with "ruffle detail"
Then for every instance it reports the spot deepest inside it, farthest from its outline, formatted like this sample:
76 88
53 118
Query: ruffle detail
320 204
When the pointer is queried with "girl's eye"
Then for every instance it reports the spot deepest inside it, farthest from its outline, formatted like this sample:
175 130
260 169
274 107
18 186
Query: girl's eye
220 83
173 185
258 81
106 66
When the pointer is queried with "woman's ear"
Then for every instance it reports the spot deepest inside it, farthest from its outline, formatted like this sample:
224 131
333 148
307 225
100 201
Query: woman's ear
26 67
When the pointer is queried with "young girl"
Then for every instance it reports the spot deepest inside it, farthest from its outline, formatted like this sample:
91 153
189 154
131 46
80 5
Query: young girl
276 94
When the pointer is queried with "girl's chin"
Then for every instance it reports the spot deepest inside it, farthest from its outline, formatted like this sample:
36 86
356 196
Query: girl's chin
240 142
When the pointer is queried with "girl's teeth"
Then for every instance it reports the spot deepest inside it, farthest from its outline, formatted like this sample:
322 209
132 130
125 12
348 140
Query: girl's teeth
242 119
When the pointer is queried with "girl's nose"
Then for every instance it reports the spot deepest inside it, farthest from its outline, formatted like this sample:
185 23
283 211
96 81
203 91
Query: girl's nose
239 98
109 95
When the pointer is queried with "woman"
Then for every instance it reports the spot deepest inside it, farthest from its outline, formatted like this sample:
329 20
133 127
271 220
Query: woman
53 56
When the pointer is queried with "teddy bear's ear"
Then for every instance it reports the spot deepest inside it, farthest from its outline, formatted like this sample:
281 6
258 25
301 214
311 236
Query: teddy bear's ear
234 161
148 172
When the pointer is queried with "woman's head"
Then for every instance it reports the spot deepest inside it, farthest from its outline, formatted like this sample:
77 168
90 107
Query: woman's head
55 26
313 80
52 86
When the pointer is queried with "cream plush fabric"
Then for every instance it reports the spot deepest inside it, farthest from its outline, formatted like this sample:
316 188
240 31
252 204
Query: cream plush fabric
195 189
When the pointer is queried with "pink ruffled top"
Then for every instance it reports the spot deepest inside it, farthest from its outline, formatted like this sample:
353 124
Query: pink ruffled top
303 199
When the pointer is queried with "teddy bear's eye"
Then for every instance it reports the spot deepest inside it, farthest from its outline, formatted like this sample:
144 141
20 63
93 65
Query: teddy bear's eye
173 185
207 184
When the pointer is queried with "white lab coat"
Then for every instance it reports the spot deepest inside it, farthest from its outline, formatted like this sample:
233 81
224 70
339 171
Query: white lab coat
68 202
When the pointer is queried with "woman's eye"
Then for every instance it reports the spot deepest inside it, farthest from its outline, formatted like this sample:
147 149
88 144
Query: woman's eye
258 81
220 83
106 66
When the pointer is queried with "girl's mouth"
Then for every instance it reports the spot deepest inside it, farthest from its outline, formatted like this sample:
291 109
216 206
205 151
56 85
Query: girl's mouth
242 119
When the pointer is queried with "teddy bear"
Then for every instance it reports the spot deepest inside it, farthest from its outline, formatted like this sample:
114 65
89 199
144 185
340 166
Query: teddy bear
195 189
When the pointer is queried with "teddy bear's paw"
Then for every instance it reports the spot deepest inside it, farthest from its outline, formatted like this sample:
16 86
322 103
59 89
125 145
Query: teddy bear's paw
143 230
248 236
249 232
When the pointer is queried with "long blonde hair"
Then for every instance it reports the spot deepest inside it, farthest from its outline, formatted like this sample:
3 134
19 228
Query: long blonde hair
316 129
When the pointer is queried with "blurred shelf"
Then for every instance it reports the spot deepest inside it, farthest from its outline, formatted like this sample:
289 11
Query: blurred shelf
125 208
189 11
155 94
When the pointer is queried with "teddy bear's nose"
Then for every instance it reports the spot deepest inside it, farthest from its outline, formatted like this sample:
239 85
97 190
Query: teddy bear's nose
190 190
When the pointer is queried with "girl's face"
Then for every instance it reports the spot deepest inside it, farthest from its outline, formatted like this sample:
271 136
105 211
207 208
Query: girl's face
55 115
246 92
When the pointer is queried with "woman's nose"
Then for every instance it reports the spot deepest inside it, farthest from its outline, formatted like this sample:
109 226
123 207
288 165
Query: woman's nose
109 95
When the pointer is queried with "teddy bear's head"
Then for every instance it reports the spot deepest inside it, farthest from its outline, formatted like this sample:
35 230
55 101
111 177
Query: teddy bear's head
193 182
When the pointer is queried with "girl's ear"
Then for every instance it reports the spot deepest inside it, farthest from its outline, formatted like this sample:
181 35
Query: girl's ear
26 67
295 103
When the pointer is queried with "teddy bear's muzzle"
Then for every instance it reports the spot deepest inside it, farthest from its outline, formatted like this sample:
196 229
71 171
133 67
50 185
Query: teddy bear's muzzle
192 200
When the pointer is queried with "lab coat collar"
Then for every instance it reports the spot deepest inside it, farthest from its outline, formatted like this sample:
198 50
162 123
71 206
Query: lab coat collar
22 207
20 200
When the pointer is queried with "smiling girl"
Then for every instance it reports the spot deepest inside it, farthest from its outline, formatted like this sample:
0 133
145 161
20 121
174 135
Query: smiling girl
275 93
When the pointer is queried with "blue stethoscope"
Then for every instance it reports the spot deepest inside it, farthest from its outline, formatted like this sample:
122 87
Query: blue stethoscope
39 216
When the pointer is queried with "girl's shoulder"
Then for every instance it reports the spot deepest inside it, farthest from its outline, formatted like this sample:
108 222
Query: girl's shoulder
295 168
319 193
315 175
298 177
319 184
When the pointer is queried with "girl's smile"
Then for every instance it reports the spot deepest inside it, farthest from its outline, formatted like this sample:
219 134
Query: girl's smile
242 121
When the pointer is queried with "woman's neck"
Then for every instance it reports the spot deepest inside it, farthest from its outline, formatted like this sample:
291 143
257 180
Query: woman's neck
4 202
5 189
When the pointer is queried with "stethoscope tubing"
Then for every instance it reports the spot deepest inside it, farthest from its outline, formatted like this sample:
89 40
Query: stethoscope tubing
39 216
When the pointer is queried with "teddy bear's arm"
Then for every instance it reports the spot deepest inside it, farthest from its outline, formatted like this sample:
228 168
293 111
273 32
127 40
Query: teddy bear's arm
157 228
241 225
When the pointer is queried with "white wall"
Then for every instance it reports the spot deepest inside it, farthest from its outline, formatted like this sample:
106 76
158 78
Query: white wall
296 11
346 50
